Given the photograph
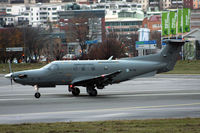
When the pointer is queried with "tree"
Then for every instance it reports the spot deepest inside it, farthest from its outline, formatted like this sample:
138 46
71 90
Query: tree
53 49
110 47
134 38
77 31
10 37
156 35
33 41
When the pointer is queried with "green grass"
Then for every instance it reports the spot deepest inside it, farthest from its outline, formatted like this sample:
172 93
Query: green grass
186 67
187 125
4 68
182 67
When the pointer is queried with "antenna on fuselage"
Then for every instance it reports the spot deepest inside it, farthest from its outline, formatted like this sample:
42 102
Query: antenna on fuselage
110 58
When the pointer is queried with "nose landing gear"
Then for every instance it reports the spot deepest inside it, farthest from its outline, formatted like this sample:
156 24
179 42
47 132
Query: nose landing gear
37 94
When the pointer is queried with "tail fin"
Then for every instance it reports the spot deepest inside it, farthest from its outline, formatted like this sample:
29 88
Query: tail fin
167 56
170 53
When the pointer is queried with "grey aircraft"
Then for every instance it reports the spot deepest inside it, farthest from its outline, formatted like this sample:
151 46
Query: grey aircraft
98 73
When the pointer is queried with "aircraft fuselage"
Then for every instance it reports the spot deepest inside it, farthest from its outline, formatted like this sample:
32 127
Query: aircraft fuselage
64 72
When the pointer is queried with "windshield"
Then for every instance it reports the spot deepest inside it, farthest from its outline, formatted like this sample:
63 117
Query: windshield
51 67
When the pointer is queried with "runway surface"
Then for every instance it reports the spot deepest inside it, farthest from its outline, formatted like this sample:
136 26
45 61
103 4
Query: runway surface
162 96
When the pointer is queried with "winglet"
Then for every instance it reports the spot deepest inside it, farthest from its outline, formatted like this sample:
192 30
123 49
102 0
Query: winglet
110 58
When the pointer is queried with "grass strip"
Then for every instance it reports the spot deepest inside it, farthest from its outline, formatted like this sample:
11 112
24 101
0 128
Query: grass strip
186 125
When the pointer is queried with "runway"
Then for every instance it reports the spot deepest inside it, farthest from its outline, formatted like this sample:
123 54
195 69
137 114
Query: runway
162 96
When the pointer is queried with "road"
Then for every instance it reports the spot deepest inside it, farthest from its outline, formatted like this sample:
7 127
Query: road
162 96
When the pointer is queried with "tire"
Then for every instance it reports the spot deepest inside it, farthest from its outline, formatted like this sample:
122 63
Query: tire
93 92
76 91
37 95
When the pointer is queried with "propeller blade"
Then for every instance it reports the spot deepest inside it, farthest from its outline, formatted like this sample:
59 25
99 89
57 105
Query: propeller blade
10 75
11 80
10 68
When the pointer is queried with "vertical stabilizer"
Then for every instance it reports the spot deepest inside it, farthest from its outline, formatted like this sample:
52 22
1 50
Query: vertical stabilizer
170 53
167 56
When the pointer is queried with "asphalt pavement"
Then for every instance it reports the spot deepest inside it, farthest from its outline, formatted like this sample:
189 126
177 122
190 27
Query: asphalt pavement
162 96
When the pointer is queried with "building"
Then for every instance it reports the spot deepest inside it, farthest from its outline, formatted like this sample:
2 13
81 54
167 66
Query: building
126 22
166 4
153 23
8 20
195 19
92 21
176 4
156 4
36 14
192 4
144 3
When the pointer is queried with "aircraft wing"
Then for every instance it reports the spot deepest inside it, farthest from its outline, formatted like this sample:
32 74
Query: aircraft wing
103 79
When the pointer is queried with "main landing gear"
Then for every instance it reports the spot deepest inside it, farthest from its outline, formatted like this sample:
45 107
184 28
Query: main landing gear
75 90
91 91
37 94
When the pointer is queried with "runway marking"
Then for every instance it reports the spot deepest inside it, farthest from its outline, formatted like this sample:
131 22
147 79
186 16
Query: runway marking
100 110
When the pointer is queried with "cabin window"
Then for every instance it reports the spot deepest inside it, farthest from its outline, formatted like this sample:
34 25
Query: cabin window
83 68
106 68
92 68
75 68
127 70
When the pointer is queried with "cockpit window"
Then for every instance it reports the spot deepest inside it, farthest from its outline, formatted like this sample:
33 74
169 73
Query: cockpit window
22 76
47 66
51 67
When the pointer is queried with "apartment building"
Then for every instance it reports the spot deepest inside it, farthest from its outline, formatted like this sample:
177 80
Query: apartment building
195 19
153 23
144 3
166 4
192 4
35 14
177 4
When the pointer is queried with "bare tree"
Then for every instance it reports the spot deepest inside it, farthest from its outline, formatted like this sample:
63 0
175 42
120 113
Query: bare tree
34 40
53 49
110 47
134 38
156 35
10 37
77 31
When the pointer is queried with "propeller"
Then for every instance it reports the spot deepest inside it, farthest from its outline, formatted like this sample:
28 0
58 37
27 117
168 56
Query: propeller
10 70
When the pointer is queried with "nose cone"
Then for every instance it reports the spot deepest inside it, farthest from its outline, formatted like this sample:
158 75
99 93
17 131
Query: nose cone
8 75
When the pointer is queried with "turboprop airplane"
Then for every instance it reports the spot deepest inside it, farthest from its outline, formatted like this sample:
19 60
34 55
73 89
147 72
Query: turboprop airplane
98 73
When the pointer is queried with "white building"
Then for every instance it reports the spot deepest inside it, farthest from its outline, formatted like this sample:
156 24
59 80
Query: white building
36 14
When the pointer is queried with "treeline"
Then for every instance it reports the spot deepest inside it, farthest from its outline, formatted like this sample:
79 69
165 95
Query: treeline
34 41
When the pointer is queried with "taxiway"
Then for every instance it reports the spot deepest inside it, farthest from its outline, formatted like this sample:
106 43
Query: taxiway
162 96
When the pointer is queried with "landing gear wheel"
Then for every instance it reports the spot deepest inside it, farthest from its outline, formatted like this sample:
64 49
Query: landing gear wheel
37 95
91 91
75 91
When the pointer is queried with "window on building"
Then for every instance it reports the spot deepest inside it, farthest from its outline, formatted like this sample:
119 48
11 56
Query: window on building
8 10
